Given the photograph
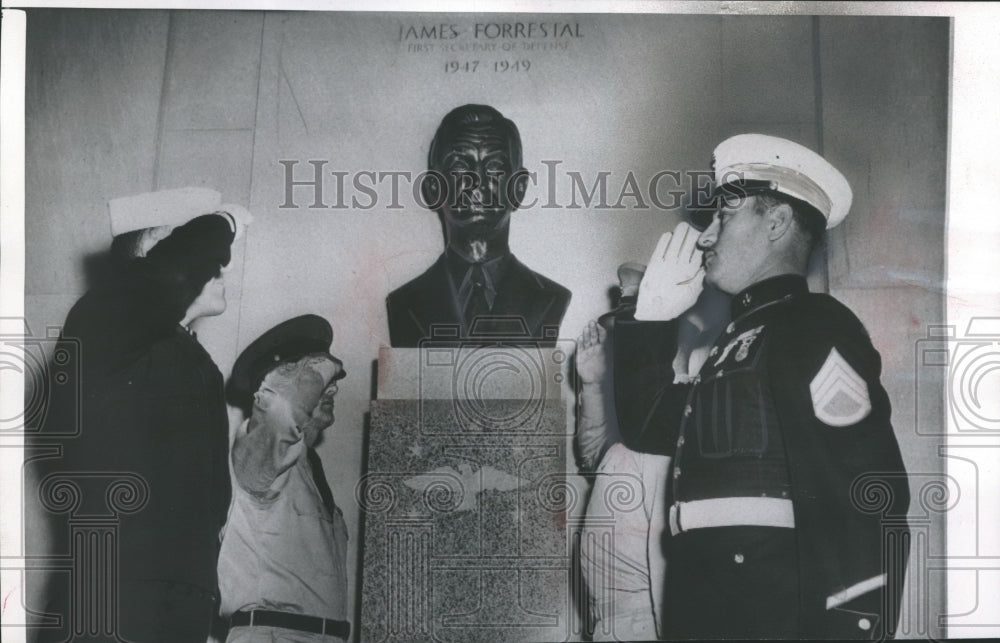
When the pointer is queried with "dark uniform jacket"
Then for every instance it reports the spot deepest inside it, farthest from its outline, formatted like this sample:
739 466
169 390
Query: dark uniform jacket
531 305
787 405
152 404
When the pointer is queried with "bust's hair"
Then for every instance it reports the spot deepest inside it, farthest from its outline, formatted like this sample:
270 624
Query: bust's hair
474 117
808 219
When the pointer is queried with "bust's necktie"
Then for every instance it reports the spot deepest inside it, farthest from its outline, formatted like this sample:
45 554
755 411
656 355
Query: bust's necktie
477 292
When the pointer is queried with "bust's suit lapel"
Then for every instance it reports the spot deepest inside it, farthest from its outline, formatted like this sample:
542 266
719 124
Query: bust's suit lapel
431 299
434 301
523 294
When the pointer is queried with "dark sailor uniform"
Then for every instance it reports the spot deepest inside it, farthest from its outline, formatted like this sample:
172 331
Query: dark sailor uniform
787 491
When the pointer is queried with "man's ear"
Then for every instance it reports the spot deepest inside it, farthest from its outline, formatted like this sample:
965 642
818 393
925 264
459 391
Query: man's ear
779 221
433 189
517 187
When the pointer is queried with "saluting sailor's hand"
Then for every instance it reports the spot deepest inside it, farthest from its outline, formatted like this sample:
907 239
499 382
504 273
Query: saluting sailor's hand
673 278
591 362
240 218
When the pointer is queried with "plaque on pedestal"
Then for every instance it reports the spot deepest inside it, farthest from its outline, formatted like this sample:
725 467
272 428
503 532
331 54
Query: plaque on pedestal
465 495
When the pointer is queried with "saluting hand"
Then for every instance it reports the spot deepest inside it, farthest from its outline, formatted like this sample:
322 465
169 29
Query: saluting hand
591 361
673 278
241 218
321 417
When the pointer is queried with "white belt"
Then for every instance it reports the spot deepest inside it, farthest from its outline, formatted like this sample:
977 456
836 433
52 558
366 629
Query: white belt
852 592
730 512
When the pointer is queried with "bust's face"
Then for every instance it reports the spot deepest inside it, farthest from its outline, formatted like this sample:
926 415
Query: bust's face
477 168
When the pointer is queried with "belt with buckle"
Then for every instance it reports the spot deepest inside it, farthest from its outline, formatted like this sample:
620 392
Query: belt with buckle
731 512
289 621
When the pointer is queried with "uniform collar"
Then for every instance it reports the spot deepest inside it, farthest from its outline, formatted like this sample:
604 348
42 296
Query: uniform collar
768 291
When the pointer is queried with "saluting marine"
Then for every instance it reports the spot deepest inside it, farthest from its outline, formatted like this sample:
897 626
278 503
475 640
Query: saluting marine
776 439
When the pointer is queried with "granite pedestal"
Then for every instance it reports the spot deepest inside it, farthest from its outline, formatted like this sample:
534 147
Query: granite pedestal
465 496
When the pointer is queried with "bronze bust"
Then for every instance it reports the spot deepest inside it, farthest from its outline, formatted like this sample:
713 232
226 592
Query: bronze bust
477 288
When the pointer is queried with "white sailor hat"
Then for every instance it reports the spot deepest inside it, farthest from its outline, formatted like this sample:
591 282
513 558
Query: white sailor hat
747 162
160 212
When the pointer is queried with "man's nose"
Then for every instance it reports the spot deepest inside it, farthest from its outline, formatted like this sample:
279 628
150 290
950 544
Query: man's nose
483 188
709 235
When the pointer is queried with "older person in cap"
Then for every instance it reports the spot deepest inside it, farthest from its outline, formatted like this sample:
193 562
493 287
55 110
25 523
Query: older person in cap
153 408
775 440
283 566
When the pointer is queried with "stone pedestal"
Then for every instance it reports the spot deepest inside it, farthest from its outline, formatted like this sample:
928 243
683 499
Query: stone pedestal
465 497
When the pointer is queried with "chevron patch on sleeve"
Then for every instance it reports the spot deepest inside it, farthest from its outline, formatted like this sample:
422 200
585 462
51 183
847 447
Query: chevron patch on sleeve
839 394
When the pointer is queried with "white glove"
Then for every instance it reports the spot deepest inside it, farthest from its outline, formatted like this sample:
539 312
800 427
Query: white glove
673 278
241 217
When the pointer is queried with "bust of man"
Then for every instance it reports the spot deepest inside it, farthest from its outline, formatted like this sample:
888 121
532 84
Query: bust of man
477 286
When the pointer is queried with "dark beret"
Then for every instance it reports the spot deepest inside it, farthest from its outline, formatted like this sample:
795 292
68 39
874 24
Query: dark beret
287 342
203 239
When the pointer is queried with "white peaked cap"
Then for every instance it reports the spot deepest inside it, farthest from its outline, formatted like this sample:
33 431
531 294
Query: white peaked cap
789 168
